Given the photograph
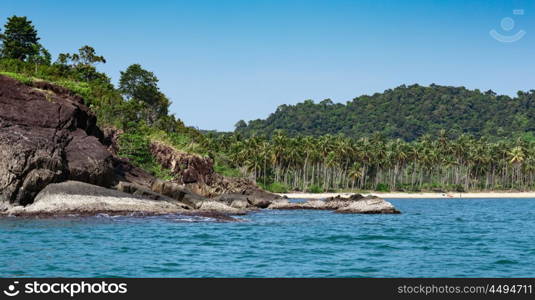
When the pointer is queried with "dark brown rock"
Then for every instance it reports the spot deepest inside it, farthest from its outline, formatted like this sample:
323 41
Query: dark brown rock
111 138
187 168
197 175
125 171
88 160
177 192
47 135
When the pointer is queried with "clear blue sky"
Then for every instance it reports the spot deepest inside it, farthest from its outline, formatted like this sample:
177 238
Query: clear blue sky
222 61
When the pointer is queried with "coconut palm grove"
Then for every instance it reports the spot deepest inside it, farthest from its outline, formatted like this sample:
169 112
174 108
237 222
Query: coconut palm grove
410 138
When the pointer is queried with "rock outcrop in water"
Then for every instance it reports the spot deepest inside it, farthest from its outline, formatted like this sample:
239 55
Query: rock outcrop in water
48 135
73 197
356 204
78 198
55 160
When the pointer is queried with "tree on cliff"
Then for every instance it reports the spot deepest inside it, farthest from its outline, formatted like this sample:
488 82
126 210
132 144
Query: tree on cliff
85 56
20 39
83 62
141 86
41 56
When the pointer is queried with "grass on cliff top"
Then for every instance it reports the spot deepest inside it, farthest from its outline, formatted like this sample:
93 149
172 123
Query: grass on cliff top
82 89
20 77
176 141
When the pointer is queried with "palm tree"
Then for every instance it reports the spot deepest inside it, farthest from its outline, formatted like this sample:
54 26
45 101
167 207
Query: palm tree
356 172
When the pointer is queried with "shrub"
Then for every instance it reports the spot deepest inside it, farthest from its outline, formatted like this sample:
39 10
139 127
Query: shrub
135 147
316 189
226 171
277 187
381 187
459 188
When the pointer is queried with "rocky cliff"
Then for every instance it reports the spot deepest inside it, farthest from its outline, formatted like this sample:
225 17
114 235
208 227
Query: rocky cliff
47 135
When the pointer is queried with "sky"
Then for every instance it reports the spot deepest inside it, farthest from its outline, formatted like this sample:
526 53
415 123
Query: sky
223 61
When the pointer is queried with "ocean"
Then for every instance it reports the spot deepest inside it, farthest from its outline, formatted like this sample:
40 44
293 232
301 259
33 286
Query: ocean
431 238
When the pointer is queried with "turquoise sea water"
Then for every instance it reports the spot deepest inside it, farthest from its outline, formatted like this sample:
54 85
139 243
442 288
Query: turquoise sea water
432 238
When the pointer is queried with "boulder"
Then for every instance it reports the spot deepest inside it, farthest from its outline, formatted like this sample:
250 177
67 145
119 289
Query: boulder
178 192
356 203
125 171
220 207
88 160
369 206
72 197
168 189
245 201
137 190
240 204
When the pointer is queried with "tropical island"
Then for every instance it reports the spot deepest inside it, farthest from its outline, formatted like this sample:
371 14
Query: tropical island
65 121
266 139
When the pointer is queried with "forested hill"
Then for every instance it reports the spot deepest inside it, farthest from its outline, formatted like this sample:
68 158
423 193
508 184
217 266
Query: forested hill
405 112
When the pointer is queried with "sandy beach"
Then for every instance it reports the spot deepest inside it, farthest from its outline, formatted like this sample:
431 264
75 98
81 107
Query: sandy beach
401 195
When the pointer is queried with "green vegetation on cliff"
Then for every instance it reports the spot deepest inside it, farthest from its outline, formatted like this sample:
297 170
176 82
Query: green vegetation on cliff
137 108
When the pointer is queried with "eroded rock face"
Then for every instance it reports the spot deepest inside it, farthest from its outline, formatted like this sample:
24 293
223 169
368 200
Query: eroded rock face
188 168
111 137
47 135
197 174
29 160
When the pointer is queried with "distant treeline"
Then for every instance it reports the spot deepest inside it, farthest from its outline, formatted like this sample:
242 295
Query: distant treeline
283 163
406 112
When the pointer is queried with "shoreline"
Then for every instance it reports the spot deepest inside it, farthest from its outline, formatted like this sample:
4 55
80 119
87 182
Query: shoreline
402 195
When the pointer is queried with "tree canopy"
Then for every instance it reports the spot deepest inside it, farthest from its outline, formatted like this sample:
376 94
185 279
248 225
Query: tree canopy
141 86
82 63
406 112
20 39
